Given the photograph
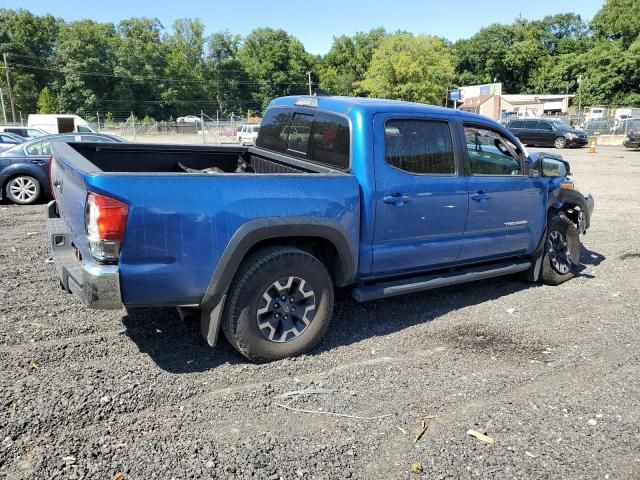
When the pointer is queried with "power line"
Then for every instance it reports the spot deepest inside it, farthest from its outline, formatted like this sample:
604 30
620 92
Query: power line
151 78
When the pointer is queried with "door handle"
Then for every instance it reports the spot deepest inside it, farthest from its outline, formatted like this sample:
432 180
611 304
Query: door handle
479 196
396 199
38 162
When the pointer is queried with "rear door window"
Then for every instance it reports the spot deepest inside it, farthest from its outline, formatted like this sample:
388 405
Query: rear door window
421 147
42 147
516 124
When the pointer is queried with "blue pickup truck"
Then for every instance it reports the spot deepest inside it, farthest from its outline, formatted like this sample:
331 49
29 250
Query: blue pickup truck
379 196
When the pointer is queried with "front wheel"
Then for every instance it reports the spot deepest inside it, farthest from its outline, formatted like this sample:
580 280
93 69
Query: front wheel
279 304
561 251
23 190
560 142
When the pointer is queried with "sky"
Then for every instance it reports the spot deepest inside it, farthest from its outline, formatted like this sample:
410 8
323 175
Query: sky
316 23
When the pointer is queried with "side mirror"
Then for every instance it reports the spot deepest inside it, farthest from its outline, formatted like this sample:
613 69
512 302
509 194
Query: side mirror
553 168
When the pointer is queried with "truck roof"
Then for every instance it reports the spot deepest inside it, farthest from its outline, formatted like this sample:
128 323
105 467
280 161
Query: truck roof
345 105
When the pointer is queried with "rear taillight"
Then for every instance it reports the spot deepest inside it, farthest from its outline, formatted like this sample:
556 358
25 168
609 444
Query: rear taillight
106 221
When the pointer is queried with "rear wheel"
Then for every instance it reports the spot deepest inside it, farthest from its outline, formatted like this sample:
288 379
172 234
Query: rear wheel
279 304
23 189
562 251
560 142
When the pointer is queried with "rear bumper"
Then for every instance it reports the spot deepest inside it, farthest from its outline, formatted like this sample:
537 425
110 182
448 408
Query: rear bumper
635 143
98 286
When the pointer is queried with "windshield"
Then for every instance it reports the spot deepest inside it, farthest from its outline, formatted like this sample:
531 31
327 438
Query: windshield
558 122
633 125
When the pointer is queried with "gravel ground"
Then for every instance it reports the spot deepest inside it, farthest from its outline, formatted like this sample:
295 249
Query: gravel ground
551 373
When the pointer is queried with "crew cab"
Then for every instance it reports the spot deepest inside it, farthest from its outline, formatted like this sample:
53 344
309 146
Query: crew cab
378 196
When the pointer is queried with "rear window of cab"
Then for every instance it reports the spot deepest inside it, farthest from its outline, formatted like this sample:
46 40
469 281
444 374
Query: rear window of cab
318 137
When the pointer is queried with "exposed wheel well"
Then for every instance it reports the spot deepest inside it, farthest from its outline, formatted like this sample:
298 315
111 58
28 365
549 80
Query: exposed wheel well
572 211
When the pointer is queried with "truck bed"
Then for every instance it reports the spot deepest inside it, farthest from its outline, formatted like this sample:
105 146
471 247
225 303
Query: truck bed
150 158
180 223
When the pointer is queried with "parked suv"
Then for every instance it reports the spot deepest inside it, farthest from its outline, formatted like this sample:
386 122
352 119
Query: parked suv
547 133
633 134
248 134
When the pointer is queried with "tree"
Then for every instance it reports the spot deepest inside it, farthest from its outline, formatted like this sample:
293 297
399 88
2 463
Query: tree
29 42
85 58
413 68
276 64
185 92
47 103
227 81
348 61
139 63
519 54
618 20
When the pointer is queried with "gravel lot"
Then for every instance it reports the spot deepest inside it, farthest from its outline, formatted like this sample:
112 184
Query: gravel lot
551 373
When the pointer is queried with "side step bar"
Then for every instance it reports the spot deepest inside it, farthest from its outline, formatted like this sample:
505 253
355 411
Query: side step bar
427 282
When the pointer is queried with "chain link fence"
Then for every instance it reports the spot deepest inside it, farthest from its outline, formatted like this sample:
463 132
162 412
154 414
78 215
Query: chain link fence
202 128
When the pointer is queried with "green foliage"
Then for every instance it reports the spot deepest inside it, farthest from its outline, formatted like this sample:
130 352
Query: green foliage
412 68
618 20
227 80
514 54
348 61
86 60
47 103
28 40
276 63
184 89
140 57
139 66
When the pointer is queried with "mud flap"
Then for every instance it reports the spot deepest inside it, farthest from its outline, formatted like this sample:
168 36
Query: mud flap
210 322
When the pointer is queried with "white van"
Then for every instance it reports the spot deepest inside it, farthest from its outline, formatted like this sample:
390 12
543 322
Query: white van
59 123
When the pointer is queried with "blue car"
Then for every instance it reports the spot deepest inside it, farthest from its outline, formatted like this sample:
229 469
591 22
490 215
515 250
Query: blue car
24 168
8 140
381 197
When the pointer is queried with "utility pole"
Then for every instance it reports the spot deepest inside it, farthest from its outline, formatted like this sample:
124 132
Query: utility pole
204 140
6 70
310 90
579 101
4 112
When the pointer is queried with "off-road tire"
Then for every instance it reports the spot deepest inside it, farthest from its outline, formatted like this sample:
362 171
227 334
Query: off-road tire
560 224
256 273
